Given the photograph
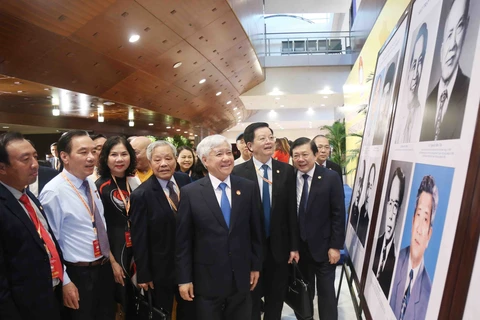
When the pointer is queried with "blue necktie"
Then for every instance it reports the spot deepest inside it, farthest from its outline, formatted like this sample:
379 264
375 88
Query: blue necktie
224 204
266 200
406 297
302 208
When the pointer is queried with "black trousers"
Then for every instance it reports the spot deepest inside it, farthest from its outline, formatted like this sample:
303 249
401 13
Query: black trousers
236 306
324 272
162 297
96 290
272 285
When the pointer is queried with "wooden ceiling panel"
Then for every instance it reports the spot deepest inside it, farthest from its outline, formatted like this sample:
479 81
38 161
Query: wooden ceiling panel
219 36
246 77
61 17
186 16
236 58
172 98
191 82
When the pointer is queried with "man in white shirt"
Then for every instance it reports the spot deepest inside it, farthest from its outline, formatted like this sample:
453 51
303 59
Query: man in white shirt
245 154
445 106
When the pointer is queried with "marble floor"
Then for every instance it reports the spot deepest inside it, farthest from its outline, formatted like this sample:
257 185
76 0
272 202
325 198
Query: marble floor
346 310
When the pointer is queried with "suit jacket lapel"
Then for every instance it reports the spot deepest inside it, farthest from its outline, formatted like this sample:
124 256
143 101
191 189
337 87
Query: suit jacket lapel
236 201
209 196
315 186
161 198
251 171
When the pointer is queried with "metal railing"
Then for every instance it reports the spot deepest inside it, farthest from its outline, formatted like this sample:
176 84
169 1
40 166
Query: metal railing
309 43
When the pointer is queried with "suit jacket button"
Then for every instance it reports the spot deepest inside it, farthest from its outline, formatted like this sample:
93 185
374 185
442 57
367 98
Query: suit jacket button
229 254
233 270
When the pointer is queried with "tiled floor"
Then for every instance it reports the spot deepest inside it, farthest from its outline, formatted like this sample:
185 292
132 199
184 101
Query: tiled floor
345 305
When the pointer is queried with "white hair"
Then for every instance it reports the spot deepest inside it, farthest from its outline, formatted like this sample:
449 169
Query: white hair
159 143
208 143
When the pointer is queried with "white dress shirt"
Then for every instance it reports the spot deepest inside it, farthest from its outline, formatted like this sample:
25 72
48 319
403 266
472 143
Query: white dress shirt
300 182
258 167
415 273
218 192
441 87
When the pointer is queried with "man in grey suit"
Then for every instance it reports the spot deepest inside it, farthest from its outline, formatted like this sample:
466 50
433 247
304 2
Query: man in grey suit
412 285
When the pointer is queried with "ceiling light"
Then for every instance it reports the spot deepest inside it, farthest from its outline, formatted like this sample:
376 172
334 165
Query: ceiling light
55 111
228 102
17 82
134 38
5 127
47 89
238 112
185 131
196 135
55 101
176 65
191 133
101 118
202 81
322 105
19 91
109 103
325 97
130 114
131 123
218 93
150 124
169 127
100 108
178 129
281 106
235 108
277 98
310 111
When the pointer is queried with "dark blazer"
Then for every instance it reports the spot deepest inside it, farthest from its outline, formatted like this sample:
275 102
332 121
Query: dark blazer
25 275
284 234
153 231
385 276
335 167
451 126
362 227
419 294
217 259
45 174
325 214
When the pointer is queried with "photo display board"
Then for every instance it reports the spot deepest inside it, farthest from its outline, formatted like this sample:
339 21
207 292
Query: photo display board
428 156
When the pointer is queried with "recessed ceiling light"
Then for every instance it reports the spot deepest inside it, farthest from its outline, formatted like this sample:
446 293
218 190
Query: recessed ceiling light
322 105
101 118
5 127
228 102
109 103
277 98
202 81
178 129
281 106
169 127
150 124
47 89
176 65
185 131
55 111
131 123
134 38
325 97
235 108
17 82
238 112
218 93
191 133
19 91
196 135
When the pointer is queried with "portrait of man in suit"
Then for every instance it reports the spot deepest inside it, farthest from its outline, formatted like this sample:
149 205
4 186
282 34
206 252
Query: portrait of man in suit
355 212
385 257
321 221
55 160
414 76
364 217
445 105
382 117
411 286
153 206
323 146
219 241
31 262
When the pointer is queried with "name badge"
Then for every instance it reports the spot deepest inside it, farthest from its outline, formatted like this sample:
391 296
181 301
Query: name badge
96 249
55 272
128 239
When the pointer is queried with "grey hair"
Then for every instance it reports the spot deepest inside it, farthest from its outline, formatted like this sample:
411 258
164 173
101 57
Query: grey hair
208 143
159 143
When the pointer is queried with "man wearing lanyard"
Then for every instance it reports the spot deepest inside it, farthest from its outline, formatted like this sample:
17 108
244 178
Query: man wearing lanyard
75 211
153 206
30 259
276 187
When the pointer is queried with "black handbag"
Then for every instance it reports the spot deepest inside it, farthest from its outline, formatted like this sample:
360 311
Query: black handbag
298 297
146 310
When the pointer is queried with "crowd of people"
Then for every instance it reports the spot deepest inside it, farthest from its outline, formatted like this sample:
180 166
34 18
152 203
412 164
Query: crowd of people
209 236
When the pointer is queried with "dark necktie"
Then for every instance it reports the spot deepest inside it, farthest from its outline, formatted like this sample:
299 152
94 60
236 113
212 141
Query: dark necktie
101 230
382 264
173 194
438 121
266 200
303 208
406 297
225 204
55 261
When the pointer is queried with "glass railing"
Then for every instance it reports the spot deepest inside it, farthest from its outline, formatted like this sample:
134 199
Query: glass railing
310 43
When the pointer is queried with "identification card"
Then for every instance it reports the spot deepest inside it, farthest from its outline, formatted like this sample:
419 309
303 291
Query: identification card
96 249
128 239
55 272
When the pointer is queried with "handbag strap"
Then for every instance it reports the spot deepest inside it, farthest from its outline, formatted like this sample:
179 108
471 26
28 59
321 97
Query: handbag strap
296 269
150 304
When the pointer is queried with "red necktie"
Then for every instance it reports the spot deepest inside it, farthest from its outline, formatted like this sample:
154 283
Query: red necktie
54 257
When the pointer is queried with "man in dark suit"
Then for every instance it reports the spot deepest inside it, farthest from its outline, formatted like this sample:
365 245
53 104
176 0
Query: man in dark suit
219 249
445 106
384 260
30 259
321 220
323 146
411 286
364 218
275 186
154 205
55 160
45 174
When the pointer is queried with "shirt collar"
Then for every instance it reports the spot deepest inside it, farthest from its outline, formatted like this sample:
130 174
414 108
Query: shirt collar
163 183
448 86
216 182
259 164
17 194
309 173
76 181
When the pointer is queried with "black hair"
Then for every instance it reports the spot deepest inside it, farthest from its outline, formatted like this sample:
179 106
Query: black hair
53 144
5 139
401 178
180 149
96 136
428 186
249 132
423 32
103 169
65 141
302 141
390 74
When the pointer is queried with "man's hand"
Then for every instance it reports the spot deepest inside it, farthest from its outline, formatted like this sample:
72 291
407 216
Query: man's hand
118 273
254 275
186 291
294 255
70 296
145 286
333 255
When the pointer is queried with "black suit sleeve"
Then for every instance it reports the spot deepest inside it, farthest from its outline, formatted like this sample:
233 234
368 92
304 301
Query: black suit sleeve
8 309
292 211
184 239
139 232
337 206
256 233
